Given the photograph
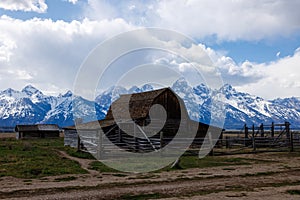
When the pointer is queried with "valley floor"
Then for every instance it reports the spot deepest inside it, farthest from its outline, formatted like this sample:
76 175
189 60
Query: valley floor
268 176
265 176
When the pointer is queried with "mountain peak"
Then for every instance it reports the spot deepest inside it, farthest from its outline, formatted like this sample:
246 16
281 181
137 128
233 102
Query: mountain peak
202 90
68 94
134 89
147 87
181 82
227 90
227 87
30 90
9 92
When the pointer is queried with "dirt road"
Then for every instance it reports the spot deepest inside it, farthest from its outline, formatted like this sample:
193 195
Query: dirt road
277 178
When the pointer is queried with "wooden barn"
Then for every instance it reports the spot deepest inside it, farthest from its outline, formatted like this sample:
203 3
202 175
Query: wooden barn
37 131
132 114
139 106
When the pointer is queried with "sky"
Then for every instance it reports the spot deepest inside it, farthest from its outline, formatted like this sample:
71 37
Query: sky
255 45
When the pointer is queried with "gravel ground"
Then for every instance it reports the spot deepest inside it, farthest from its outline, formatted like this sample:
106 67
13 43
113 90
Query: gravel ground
269 180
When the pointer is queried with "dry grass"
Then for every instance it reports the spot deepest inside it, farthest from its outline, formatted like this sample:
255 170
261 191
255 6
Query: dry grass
7 135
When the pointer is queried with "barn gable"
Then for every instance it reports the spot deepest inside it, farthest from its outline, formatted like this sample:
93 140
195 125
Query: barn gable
139 105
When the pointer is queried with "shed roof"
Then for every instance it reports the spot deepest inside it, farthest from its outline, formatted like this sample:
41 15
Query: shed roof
37 127
139 104
92 125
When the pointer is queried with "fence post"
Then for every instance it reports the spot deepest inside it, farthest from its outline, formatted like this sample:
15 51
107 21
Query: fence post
287 128
221 139
227 142
272 130
211 153
262 130
135 139
246 134
289 136
120 135
292 142
253 138
161 140
99 146
246 131
78 142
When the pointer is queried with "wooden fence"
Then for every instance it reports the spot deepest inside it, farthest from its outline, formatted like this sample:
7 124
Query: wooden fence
277 137
262 137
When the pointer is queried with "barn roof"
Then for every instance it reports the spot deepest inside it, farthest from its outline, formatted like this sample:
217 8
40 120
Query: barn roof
139 104
37 127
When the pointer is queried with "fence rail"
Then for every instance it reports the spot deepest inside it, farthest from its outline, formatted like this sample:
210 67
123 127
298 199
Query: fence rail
273 137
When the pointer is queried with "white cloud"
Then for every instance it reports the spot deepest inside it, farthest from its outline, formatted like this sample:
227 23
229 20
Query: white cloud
231 20
139 13
25 5
236 74
48 53
225 20
278 54
73 1
6 48
53 50
281 78
18 74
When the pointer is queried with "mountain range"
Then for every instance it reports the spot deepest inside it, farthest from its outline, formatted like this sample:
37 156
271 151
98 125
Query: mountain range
31 106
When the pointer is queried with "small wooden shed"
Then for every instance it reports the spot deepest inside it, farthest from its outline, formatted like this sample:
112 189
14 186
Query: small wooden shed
37 131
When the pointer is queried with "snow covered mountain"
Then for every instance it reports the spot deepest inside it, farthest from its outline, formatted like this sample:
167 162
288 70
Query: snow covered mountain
63 111
107 97
31 106
240 108
27 106
245 108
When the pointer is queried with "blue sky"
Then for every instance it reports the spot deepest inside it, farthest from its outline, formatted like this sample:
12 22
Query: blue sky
258 51
254 44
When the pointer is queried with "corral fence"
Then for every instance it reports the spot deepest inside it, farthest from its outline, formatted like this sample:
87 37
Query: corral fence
274 137
138 139
92 142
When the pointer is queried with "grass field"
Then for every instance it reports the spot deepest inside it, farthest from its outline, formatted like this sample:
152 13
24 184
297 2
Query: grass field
34 158
45 168
39 157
